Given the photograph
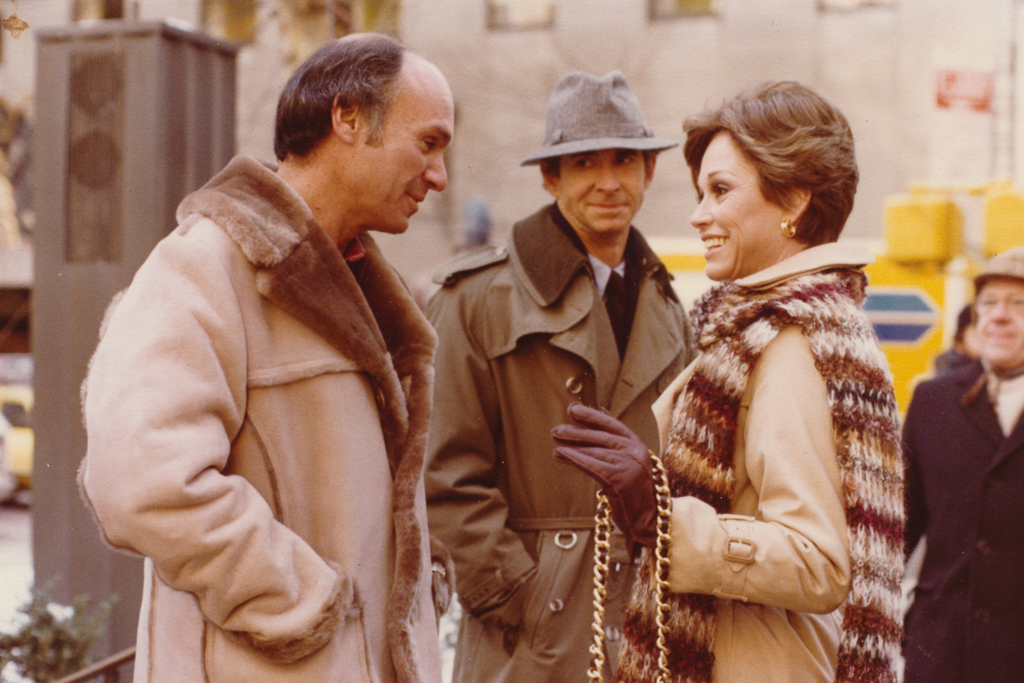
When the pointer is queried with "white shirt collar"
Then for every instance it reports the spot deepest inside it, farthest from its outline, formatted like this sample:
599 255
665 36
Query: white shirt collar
602 271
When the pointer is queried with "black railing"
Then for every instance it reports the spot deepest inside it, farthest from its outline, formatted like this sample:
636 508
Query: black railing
108 669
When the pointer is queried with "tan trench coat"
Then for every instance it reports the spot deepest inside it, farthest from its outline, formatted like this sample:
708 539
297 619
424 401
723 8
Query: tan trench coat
524 333
779 563
257 435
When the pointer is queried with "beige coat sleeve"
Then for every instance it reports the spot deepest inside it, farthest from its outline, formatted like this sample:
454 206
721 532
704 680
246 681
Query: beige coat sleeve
785 543
165 395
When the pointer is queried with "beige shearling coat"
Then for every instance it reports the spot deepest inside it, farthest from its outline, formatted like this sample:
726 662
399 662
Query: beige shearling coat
779 563
256 425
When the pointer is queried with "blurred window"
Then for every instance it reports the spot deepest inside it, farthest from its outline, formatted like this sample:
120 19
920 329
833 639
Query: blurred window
231 20
372 15
672 9
520 14
854 4
84 10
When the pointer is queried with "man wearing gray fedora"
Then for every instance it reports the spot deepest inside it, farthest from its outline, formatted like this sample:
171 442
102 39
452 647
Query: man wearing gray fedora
577 307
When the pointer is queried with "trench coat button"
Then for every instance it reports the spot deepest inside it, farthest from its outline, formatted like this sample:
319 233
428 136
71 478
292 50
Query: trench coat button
612 634
556 605
574 385
983 547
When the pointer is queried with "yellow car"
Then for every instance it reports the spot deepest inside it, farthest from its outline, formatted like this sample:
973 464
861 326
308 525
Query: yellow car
18 441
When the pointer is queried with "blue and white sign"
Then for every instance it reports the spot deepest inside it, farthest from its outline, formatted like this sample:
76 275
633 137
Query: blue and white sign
900 315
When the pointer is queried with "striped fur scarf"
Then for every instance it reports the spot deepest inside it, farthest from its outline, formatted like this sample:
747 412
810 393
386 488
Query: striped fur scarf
734 325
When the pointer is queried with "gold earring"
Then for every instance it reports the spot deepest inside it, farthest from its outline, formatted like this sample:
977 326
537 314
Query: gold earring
788 228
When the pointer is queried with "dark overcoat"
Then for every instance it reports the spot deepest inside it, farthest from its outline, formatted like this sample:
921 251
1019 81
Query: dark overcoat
965 493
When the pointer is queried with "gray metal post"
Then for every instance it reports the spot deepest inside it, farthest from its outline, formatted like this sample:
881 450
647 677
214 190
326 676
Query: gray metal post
129 118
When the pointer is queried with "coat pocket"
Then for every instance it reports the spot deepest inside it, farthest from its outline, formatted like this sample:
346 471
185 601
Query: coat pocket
558 603
345 659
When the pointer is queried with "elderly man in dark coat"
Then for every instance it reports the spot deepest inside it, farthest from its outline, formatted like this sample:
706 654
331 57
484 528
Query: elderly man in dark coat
964 444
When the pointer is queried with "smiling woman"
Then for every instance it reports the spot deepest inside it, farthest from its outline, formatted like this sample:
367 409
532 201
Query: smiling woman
741 230
799 148
780 440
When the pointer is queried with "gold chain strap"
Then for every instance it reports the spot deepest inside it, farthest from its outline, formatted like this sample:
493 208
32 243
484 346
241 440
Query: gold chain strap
602 546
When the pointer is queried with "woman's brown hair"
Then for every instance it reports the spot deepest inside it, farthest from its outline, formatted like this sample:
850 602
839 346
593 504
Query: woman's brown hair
797 140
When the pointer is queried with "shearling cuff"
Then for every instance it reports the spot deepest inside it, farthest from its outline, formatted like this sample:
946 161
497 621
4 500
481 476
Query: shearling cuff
294 648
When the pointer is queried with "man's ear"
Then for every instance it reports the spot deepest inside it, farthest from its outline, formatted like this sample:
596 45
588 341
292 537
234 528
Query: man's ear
551 180
346 122
649 163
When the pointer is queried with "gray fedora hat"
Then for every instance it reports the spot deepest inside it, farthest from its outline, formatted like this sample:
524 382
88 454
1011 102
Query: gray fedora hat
586 113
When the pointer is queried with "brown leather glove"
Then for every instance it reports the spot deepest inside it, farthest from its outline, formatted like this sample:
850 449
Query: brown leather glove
609 451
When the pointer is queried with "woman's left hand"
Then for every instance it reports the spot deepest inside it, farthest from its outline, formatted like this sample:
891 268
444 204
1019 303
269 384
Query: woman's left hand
609 451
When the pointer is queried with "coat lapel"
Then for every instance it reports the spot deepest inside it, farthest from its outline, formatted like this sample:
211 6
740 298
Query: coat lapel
1009 446
548 261
978 408
597 349
652 349
314 284
548 264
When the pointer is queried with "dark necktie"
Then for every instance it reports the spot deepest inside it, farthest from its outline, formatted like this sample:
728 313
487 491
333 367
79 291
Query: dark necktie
615 302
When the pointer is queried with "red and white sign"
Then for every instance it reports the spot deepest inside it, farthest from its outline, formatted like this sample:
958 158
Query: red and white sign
965 89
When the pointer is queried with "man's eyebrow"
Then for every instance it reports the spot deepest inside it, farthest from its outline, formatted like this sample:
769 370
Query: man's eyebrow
440 131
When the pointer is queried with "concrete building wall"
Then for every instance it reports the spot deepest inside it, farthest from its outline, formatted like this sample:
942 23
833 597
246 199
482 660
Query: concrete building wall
501 81
878 64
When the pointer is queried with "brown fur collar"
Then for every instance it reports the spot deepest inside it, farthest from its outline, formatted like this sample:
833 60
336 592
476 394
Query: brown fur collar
376 324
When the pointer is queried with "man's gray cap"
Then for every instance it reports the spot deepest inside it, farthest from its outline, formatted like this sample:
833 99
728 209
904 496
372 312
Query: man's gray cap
1009 264
586 113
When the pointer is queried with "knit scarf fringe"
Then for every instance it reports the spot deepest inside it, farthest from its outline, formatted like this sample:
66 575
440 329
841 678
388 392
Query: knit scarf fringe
734 326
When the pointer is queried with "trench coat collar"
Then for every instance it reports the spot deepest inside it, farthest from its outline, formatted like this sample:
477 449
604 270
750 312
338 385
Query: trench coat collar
559 293
549 265
550 261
